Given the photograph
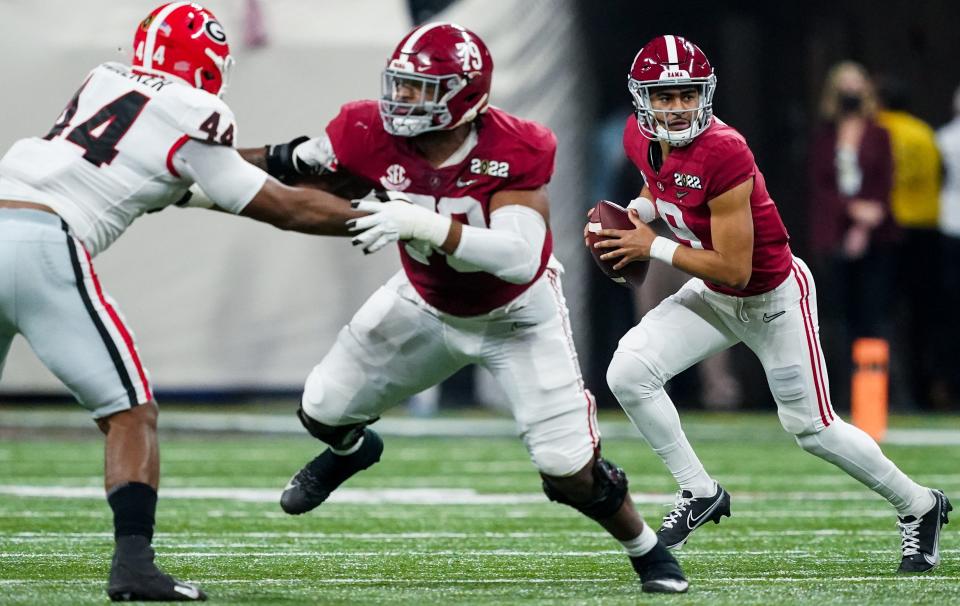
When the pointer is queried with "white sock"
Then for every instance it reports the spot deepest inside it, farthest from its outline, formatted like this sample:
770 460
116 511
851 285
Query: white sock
645 541
348 451
657 419
853 451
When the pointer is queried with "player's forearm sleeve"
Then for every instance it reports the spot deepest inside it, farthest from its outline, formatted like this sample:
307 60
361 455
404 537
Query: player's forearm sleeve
227 179
510 249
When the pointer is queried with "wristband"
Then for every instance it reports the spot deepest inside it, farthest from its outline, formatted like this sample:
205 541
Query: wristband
433 229
662 249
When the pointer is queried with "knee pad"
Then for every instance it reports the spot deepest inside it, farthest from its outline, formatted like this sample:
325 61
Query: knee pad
787 383
789 388
340 437
609 491
630 374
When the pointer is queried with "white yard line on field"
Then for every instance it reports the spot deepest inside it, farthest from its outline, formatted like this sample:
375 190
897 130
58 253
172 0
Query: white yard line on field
227 537
392 426
472 553
925 578
410 496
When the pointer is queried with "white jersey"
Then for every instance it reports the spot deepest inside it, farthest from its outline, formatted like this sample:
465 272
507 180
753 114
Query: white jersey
109 157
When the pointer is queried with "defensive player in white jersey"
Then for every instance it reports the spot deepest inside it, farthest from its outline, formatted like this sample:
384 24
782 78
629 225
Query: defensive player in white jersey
133 139
479 284
701 179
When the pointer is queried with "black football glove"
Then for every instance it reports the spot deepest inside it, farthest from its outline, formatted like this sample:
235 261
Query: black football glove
281 162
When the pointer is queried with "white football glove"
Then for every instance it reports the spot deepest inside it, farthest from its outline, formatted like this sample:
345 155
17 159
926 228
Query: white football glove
315 156
396 220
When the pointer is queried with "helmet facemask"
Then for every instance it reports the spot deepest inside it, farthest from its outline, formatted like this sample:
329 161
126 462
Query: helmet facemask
652 122
428 112
224 67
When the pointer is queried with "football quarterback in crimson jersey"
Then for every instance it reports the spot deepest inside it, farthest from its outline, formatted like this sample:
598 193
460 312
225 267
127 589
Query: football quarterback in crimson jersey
133 139
701 179
463 190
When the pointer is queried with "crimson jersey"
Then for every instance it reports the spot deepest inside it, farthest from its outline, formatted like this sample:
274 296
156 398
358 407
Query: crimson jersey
715 162
503 153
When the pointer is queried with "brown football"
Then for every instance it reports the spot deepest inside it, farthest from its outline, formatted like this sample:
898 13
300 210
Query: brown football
607 215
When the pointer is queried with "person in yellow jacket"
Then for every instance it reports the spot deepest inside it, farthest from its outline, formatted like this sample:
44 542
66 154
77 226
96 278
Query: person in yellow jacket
915 201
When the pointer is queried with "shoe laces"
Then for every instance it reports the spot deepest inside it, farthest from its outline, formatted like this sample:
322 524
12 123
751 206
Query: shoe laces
307 481
680 507
909 536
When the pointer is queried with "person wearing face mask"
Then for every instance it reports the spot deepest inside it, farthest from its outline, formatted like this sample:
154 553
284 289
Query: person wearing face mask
852 234
915 202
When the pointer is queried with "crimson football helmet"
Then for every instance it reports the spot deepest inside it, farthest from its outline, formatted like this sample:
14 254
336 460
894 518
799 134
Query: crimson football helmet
671 61
185 40
438 78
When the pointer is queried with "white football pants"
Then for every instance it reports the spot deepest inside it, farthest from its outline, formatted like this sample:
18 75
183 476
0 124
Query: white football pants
782 329
51 295
398 345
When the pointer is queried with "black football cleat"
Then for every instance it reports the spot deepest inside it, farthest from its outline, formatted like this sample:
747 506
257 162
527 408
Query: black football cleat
920 537
135 578
313 484
659 571
691 513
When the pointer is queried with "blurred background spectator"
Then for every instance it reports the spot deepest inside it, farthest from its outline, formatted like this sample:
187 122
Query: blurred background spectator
948 140
853 244
915 201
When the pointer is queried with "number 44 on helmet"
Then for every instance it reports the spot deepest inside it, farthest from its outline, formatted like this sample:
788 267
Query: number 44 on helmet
607 215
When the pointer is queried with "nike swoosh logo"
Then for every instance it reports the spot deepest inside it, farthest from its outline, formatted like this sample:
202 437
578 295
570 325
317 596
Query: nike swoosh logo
467 183
187 590
767 318
681 194
693 521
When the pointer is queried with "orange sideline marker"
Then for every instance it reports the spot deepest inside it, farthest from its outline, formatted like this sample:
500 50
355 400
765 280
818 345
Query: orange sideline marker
869 393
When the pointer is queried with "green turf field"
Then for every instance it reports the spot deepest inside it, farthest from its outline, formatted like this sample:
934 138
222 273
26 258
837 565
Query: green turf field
462 521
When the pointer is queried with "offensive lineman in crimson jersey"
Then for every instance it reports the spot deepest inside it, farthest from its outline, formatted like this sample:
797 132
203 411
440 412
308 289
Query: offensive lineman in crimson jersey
133 139
468 203
700 177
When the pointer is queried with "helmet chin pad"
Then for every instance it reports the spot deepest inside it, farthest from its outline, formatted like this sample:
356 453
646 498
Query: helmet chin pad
676 138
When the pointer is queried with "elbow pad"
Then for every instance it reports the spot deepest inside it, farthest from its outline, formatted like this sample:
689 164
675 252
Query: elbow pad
510 249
